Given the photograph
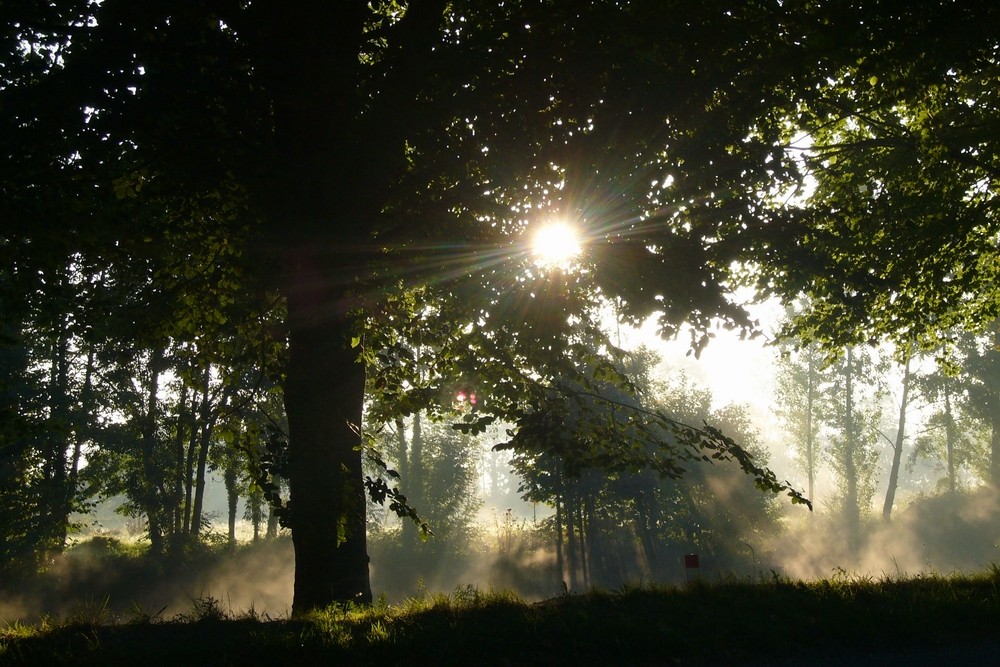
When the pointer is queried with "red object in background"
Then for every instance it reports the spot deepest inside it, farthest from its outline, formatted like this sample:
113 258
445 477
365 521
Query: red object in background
691 561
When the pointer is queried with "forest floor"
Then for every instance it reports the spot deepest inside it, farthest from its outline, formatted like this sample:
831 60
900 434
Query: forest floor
856 621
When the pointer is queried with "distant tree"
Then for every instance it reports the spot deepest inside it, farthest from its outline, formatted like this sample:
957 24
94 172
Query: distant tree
800 381
981 371
621 523
898 441
853 416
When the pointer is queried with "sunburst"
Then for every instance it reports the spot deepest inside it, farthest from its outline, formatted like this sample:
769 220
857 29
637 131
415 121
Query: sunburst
555 245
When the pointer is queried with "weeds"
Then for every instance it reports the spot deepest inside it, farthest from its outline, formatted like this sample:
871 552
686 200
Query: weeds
206 609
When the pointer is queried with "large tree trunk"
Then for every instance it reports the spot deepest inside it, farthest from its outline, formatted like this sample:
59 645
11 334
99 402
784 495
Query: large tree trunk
324 394
324 187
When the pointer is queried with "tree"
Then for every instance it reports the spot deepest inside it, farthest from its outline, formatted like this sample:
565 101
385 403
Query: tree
800 379
981 368
358 139
853 419
621 522
898 236
898 441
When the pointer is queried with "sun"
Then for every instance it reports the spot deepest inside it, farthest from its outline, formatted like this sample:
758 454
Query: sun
555 245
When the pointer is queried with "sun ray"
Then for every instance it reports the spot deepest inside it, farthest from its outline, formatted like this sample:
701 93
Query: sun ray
556 245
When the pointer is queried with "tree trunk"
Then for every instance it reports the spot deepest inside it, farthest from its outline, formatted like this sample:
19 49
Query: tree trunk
852 511
189 468
560 564
995 421
232 498
151 473
415 483
897 446
60 497
178 490
949 437
204 442
581 520
272 524
810 400
572 552
324 394
646 518
324 185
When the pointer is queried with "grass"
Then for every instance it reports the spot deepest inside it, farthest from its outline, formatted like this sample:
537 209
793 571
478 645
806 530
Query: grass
718 623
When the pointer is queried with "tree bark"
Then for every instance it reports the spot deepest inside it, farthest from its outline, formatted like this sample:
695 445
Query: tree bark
324 395
323 188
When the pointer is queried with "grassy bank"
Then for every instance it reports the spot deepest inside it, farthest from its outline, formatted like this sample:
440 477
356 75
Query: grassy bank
720 623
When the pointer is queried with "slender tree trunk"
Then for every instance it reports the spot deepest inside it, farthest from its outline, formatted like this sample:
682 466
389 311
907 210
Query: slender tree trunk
61 480
995 421
402 449
80 423
560 565
272 524
232 497
572 535
810 444
646 519
581 519
189 459
204 443
897 446
949 437
852 512
416 483
179 463
256 515
995 441
151 473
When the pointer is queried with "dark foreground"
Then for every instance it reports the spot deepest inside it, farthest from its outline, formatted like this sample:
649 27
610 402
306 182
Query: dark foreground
919 621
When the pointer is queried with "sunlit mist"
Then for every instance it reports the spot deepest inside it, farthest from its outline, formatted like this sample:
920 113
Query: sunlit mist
555 245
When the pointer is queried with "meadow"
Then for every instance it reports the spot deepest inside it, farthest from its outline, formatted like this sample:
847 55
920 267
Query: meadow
771 620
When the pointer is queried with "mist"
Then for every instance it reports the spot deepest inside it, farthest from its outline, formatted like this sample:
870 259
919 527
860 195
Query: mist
613 531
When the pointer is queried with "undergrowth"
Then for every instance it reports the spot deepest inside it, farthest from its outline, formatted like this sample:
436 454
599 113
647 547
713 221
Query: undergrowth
727 621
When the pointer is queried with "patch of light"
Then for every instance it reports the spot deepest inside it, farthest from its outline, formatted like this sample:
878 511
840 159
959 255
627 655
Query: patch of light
555 245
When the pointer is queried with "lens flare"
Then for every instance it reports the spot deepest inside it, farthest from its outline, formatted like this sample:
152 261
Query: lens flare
555 245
